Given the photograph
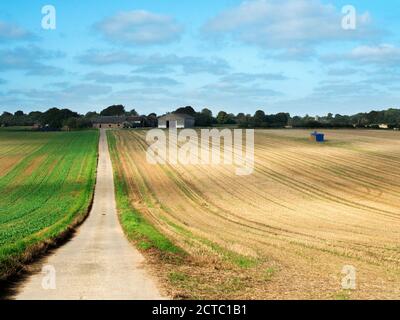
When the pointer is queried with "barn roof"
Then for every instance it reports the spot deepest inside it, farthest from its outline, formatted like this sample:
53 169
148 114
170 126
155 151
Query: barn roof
116 119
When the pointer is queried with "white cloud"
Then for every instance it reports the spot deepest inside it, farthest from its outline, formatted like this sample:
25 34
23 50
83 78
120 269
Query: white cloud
377 54
340 89
383 54
102 77
286 24
68 96
153 69
243 77
13 32
292 54
226 89
188 64
30 59
383 77
341 72
140 28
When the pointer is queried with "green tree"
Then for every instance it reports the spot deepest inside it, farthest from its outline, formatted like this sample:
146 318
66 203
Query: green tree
222 117
259 118
115 110
19 113
243 120
54 118
91 115
186 110
133 113
278 120
72 123
35 116
204 118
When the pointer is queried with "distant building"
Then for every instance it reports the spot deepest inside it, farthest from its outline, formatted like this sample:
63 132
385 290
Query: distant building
124 122
135 122
383 126
109 122
176 120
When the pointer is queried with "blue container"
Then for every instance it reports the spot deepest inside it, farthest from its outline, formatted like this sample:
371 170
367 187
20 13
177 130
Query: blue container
320 137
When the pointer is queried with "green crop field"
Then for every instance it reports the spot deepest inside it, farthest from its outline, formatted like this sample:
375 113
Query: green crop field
46 186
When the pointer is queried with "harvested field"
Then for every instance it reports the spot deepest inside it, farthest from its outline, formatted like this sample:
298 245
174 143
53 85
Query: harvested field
287 230
46 186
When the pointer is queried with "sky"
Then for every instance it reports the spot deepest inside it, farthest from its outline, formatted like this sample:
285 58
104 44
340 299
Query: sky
291 56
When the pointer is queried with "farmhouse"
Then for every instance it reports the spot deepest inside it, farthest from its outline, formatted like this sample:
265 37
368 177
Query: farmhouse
176 120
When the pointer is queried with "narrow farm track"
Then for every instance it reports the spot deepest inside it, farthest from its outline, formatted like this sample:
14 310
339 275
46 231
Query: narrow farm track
99 262
310 208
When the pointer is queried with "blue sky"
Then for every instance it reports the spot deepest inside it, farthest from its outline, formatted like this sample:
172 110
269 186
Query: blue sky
238 56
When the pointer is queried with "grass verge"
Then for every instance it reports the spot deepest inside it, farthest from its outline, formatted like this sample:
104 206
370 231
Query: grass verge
137 228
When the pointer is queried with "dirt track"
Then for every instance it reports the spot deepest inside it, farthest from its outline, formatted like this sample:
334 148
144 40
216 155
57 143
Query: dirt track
99 262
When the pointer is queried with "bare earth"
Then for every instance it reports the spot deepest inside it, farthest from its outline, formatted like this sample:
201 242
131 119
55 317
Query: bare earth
99 262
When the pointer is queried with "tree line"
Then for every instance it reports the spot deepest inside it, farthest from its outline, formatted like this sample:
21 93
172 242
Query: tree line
55 118
260 119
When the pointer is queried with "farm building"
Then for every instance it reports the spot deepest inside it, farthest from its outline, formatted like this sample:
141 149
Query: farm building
109 122
123 122
175 120
317 137
135 122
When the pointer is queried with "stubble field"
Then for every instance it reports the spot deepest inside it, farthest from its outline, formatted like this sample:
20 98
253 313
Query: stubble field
286 231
